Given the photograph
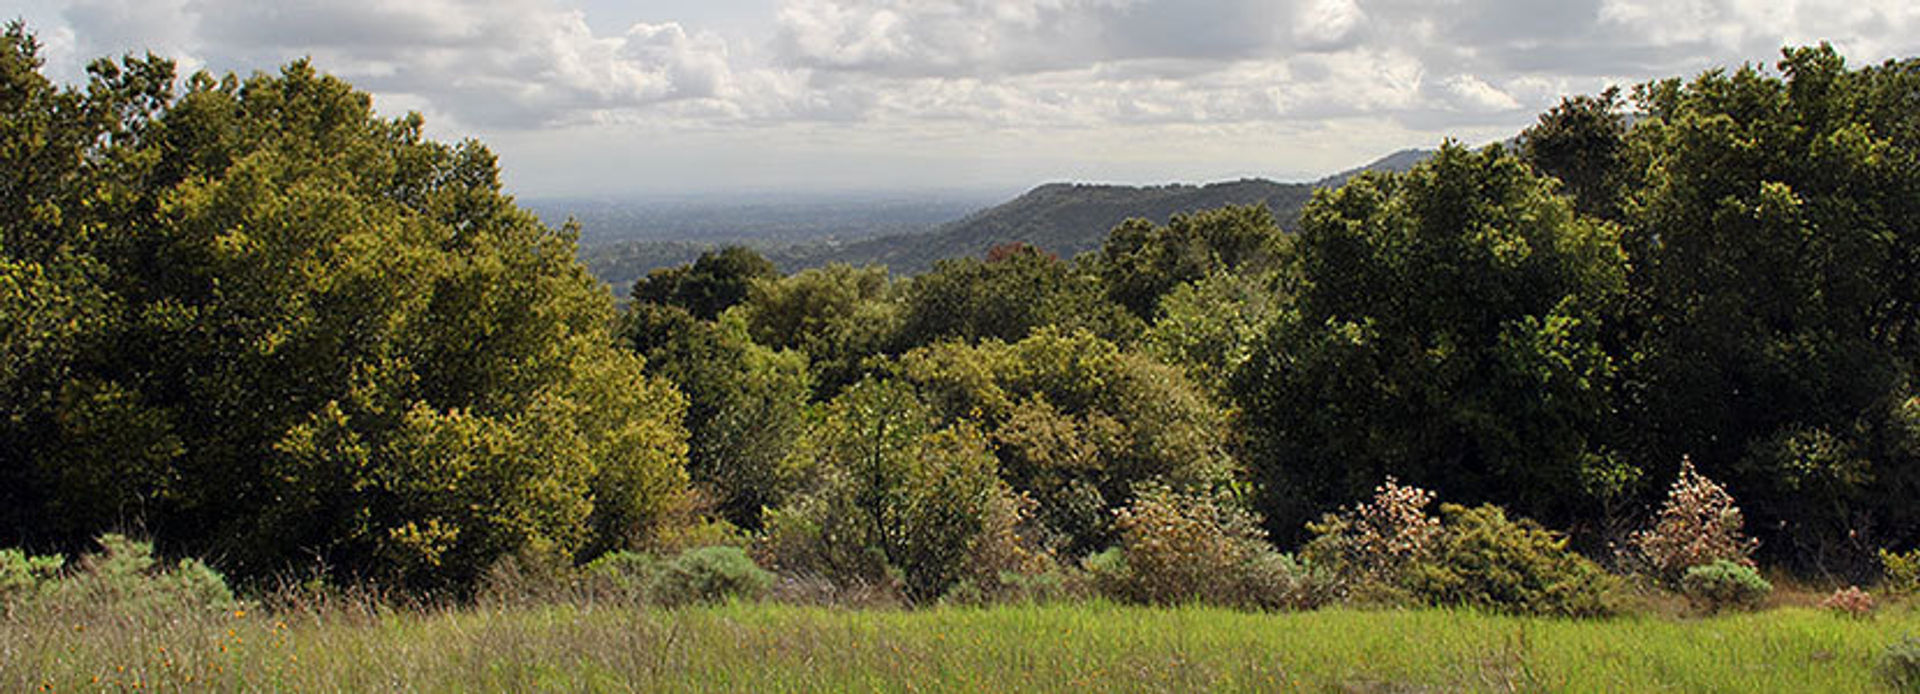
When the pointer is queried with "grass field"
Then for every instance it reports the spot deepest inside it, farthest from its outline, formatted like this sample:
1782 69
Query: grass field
1083 647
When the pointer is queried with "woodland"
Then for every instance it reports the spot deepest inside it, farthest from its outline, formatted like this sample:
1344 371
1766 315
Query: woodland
1668 338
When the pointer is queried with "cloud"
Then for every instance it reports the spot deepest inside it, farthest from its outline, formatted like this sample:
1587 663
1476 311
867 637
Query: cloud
899 72
511 63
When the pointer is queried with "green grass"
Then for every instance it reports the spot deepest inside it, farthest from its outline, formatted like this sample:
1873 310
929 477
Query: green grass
1085 647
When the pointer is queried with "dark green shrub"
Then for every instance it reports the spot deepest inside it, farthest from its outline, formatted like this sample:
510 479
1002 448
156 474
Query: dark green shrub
1900 665
1485 560
1724 584
709 575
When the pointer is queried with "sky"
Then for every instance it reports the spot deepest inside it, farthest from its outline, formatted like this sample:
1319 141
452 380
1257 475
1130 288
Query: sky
598 97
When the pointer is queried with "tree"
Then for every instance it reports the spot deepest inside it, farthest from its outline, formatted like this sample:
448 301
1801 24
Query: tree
716 281
288 330
1445 330
1582 142
837 315
891 491
1076 423
1772 227
1005 298
1140 263
745 404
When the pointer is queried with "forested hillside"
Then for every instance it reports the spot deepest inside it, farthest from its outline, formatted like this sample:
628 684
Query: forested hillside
1061 218
254 321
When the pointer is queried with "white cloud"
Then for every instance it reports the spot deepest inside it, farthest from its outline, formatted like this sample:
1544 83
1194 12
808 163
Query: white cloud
511 63
1184 76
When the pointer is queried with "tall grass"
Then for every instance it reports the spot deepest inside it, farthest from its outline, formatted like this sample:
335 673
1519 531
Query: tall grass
766 647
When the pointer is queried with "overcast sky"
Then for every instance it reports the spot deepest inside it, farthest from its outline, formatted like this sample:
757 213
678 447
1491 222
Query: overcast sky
670 96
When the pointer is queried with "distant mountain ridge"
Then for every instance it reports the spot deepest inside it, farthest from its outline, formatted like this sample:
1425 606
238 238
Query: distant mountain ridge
1061 218
1071 218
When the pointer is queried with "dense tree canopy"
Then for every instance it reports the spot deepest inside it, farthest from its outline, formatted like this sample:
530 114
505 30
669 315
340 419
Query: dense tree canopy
1772 226
270 327
1445 329
253 320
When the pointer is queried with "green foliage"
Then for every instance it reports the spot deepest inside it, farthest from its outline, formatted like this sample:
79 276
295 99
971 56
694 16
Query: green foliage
1581 141
837 315
708 575
745 404
623 574
713 283
1723 584
1076 422
1900 572
1140 263
1006 297
276 329
22 575
1770 218
1483 559
1447 326
1209 327
122 579
893 495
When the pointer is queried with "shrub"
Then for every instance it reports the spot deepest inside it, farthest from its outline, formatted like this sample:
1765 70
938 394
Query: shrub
1901 572
1369 545
622 575
1178 547
895 500
1483 559
709 575
23 575
1017 588
1724 584
122 579
1850 601
1699 524
1900 665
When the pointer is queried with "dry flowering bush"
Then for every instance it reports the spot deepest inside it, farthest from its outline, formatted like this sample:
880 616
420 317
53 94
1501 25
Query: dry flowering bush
1699 524
1374 541
1850 601
1181 546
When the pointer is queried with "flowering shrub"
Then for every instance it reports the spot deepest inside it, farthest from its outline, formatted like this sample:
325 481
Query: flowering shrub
1850 601
1178 547
1373 542
1699 524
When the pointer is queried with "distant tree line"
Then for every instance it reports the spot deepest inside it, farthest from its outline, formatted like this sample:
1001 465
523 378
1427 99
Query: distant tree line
250 319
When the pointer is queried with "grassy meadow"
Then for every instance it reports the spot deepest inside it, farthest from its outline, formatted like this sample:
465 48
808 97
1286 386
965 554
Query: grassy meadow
1079 647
